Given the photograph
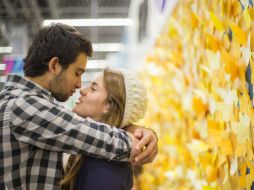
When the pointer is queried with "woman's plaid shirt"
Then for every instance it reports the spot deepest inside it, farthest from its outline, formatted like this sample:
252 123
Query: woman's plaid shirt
35 131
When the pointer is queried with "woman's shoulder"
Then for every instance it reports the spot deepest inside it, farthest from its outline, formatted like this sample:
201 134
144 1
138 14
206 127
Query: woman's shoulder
114 175
90 162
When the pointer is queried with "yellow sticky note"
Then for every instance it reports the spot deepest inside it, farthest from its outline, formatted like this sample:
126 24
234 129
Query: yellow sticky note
252 70
244 120
233 166
226 184
245 3
252 40
238 34
217 23
231 66
250 165
213 59
242 73
198 146
249 181
244 101
198 106
211 173
211 42
251 12
194 20
234 182
225 111
241 149
226 147
210 188
236 8
251 116
221 160
247 18
242 182
246 54
212 124
214 132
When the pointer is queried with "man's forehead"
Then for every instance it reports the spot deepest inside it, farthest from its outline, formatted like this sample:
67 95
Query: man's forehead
81 59
80 64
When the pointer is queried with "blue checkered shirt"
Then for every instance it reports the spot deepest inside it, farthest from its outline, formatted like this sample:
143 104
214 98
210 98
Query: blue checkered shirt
35 131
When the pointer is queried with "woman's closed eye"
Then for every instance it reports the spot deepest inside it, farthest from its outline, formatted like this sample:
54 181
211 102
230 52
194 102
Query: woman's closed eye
92 89
93 86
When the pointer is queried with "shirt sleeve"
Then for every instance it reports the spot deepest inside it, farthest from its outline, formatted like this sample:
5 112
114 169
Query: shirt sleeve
41 123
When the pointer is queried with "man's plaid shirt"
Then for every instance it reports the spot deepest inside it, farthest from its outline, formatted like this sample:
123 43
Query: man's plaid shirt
35 131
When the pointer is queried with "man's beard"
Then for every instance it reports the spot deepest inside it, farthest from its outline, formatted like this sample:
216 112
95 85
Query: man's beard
57 87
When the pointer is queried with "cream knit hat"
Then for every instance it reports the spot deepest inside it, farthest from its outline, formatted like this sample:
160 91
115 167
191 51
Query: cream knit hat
136 98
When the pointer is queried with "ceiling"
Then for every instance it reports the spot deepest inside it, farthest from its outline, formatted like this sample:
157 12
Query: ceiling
33 12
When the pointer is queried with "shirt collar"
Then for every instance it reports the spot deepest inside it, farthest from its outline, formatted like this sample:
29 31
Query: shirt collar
17 81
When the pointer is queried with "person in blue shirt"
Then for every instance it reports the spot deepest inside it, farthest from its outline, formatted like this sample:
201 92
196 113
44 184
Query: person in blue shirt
118 98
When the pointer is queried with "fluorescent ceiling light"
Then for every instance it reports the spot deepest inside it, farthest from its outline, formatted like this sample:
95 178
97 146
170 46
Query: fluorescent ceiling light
94 64
2 67
5 49
91 22
104 47
3 78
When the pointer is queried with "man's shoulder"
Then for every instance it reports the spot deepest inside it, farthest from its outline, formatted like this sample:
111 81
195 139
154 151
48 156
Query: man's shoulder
10 93
15 91
33 97
24 98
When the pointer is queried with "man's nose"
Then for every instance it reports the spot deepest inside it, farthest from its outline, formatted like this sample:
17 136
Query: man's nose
78 84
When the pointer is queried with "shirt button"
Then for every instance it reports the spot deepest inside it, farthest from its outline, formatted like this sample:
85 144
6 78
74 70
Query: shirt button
51 98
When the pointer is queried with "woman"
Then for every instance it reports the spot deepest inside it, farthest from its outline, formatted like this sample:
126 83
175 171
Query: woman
117 98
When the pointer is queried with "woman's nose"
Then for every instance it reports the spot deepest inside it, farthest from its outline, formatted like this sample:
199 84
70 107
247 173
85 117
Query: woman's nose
83 91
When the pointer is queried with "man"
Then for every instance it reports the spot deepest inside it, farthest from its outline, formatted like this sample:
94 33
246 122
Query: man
35 130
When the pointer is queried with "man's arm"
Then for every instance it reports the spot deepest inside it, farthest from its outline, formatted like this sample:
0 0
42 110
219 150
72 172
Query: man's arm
38 122
148 144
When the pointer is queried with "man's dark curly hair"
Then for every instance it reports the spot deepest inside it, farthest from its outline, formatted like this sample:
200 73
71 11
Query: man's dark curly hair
57 40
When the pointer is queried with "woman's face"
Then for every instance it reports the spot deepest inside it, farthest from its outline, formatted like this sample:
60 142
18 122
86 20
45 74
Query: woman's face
93 100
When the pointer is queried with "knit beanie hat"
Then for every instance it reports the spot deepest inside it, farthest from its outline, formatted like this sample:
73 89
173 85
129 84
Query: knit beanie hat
136 98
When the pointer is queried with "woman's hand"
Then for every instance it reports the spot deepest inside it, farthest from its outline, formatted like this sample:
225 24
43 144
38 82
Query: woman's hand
134 151
147 147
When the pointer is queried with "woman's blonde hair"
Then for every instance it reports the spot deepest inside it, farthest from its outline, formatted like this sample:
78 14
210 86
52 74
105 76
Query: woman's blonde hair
114 85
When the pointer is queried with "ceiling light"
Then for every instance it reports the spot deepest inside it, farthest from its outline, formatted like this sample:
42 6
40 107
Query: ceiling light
5 49
104 47
3 79
91 22
91 64
2 67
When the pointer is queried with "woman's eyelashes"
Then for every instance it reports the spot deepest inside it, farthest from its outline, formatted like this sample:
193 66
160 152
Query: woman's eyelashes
92 88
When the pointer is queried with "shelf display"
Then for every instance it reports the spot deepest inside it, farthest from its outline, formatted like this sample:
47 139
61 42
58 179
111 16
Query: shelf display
13 64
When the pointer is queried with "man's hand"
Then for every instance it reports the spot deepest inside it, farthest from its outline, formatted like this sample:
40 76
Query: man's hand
147 146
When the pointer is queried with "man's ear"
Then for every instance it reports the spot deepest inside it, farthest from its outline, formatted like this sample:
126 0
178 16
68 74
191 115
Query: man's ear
54 66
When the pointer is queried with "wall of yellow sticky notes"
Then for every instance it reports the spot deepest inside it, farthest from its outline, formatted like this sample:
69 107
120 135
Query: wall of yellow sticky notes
199 101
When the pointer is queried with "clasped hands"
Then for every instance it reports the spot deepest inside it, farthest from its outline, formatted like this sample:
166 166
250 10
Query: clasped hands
144 144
